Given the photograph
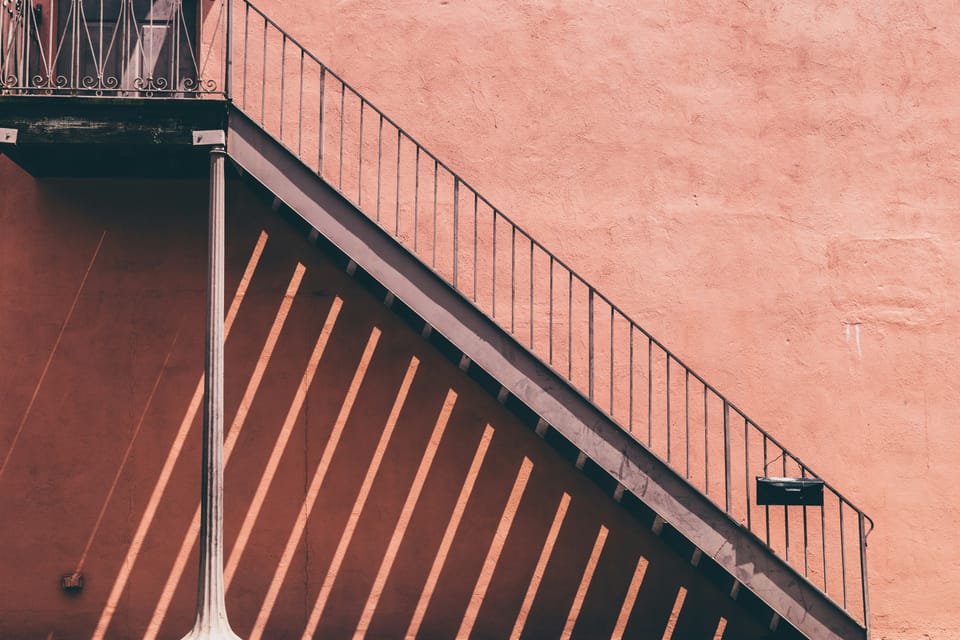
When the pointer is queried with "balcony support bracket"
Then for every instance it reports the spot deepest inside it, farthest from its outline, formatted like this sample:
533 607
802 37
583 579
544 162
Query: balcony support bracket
210 138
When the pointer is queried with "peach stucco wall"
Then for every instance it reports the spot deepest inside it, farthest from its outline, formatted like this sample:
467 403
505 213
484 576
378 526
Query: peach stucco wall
769 187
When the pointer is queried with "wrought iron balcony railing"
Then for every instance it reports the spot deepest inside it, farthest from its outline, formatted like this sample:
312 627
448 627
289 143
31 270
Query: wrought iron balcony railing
229 48
103 48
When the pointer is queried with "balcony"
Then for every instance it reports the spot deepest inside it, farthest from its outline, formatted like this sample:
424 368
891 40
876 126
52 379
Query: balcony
109 88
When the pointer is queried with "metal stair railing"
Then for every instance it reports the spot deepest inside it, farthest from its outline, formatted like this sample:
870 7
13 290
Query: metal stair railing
550 309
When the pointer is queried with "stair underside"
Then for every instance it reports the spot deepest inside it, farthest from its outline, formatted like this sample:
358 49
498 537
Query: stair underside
518 377
56 129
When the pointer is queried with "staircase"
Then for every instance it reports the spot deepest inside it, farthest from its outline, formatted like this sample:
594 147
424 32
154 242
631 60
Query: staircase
625 409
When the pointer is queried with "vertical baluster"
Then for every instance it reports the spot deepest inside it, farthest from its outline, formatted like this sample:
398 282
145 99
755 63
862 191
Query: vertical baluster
569 325
686 417
550 316
360 159
19 56
416 198
12 56
590 341
456 229
630 393
513 276
174 46
300 109
649 391
379 162
227 53
786 518
823 542
531 293
746 467
806 558
396 215
15 59
435 184
263 79
706 445
246 43
100 65
343 102
75 53
50 48
843 558
766 507
283 80
726 453
323 121
863 572
611 361
667 355
3 49
476 244
493 291
23 72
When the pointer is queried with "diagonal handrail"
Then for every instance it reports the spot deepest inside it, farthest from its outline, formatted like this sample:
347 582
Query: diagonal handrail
536 296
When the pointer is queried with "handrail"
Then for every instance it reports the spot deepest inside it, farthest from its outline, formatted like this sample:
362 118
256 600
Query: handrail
458 233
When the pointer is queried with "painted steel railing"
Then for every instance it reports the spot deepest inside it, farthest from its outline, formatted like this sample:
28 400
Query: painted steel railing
429 208
532 293
103 48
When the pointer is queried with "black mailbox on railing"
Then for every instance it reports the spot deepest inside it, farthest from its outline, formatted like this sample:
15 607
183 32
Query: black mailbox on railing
789 491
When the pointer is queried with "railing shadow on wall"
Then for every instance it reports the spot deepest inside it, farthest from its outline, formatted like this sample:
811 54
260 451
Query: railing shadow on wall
439 512
230 49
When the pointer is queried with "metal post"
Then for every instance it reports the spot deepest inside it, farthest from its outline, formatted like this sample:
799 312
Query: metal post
228 54
211 619
726 454
863 574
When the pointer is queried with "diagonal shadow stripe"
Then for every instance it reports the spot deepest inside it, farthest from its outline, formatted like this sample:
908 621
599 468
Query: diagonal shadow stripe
146 520
280 445
400 530
190 539
53 352
314 489
126 456
450 533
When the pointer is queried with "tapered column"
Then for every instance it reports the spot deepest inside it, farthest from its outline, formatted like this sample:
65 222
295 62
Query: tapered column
211 609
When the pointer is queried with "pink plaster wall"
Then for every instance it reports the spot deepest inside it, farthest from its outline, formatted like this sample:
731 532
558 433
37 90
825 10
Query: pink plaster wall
767 187
96 382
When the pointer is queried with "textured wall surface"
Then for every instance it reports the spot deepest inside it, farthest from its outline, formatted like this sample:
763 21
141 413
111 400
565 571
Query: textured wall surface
769 187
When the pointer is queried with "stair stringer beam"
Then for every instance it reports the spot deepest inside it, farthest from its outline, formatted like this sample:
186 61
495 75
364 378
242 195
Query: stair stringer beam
640 472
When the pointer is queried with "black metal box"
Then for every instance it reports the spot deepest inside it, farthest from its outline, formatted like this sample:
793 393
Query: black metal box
789 491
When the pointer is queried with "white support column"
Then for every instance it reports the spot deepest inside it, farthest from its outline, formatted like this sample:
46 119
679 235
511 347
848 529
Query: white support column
211 620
